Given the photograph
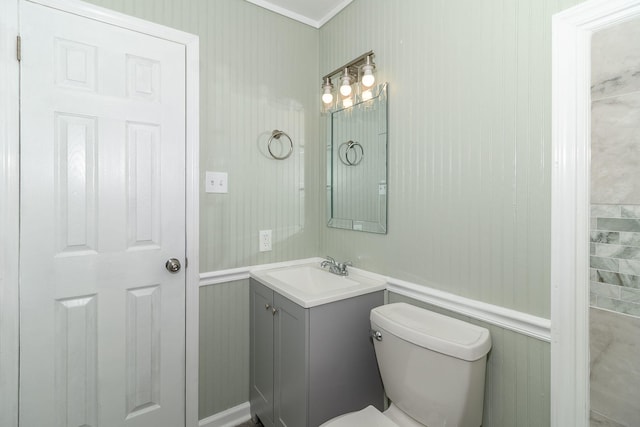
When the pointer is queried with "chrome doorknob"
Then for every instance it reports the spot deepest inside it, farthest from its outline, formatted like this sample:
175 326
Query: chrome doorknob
172 265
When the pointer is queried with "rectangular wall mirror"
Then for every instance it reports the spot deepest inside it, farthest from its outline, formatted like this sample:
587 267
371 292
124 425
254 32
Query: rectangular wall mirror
357 164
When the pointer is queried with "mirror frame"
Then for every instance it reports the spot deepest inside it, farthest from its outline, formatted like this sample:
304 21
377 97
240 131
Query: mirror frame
381 92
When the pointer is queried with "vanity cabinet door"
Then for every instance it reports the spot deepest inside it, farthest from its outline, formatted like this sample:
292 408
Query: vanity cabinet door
309 365
262 352
291 340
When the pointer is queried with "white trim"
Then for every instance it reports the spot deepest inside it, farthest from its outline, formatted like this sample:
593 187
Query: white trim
522 323
191 43
9 214
517 321
302 18
192 217
118 19
228 418
571 125
240 273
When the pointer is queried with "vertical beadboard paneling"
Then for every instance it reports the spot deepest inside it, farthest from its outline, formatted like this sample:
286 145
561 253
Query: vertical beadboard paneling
224 347
469 114
517 378
259 72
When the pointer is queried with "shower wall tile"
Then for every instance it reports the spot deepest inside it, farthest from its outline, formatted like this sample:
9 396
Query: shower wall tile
599 420
614 134
631 295
615 268
615 113
616 68
619 224
605 290
615 194
629 266
630 239
615 367
606 211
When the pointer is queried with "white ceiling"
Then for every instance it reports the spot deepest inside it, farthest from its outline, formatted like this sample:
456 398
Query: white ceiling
311 12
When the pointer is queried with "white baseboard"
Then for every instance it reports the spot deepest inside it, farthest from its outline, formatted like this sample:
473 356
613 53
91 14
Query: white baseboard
228 418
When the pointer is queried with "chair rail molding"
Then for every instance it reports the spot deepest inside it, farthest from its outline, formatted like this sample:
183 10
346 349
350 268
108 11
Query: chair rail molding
522 323
571 126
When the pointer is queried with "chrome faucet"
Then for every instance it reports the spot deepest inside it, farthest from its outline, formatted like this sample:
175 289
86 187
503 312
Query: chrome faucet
339 268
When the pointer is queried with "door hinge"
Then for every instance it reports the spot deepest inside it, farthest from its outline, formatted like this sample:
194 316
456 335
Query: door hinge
19 48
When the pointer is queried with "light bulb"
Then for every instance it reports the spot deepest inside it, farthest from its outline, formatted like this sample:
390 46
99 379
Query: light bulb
367 95
347 102
327 96
368 79
345 89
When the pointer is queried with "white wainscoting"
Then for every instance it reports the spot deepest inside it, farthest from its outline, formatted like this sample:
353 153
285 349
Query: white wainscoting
517 321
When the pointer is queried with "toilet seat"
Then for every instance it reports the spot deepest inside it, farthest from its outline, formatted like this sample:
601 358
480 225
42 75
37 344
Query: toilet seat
368 416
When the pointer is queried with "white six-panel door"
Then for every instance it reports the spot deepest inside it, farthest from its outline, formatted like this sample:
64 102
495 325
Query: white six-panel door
102 321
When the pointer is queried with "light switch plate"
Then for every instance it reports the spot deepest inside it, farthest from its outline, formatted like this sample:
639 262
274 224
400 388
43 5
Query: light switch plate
216 182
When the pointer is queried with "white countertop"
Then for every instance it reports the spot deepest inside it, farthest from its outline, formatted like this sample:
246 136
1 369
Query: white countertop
308 285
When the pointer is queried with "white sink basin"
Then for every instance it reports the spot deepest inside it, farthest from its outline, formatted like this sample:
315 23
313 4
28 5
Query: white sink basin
308 285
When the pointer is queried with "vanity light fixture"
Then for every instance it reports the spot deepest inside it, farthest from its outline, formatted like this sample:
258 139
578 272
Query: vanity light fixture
360 70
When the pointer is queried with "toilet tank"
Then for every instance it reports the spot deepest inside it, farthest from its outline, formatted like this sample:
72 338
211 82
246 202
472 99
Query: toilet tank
432 366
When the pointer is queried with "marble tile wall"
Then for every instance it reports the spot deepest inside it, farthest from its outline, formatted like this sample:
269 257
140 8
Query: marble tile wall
615 369
615 115
615 226
615 258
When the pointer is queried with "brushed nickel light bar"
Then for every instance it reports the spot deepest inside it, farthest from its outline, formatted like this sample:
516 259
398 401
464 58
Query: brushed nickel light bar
359 70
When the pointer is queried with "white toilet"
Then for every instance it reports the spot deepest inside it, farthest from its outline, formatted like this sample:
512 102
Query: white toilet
432 368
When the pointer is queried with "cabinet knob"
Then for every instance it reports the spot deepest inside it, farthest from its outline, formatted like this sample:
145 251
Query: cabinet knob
274 311
267 306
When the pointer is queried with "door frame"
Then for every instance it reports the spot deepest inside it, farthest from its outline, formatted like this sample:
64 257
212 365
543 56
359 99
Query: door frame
10 191
571 166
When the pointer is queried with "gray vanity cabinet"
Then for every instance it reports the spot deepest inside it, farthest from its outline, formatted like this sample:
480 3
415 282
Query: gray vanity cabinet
309 365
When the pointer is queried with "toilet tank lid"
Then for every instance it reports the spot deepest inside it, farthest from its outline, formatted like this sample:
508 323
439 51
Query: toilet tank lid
434 331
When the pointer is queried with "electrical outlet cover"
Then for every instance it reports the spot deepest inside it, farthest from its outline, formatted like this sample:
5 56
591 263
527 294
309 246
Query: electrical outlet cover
264 240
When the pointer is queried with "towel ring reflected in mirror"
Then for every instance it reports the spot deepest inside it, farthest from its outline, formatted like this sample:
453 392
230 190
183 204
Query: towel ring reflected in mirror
352 154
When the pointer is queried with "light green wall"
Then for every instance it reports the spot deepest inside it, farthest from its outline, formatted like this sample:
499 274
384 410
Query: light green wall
469 164
517 378
224 347
469 143
258 72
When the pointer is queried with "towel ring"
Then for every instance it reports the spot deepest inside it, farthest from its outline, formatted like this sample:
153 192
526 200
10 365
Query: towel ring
351 146
277 134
